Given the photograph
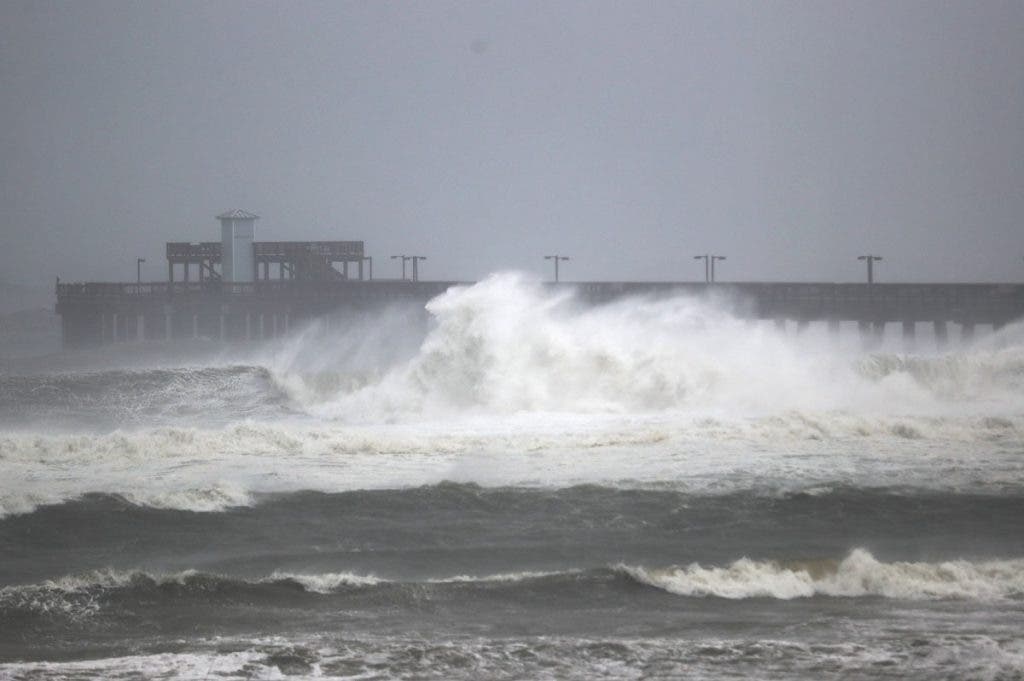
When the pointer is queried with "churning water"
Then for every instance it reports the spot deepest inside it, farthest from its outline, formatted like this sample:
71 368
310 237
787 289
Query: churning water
519 487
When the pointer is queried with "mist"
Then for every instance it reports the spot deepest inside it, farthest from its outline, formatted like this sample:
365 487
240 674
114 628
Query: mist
705 444
789 136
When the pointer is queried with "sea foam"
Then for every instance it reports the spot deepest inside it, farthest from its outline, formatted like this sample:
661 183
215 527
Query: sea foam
859 574
216 469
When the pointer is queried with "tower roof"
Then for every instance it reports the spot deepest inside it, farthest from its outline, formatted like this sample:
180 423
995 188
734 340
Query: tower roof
237 215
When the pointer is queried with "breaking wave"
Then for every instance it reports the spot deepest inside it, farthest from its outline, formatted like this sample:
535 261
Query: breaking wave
507 345
977 375
859 574
108 592
215 469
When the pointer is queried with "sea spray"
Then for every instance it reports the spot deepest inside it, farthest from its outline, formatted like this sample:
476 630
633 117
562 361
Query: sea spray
509 345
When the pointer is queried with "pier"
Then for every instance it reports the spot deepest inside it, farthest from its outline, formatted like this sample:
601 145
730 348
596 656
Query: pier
247 290
100 313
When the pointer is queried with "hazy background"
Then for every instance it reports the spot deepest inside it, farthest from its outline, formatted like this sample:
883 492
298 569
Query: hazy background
789 136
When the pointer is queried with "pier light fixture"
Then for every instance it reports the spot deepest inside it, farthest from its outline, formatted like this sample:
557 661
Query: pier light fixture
713 259
404 258
871 265
556 258
709 265
707 269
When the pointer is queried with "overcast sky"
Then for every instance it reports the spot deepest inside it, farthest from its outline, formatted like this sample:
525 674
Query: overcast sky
789 136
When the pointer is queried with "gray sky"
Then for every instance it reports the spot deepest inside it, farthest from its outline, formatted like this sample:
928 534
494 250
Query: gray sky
789 136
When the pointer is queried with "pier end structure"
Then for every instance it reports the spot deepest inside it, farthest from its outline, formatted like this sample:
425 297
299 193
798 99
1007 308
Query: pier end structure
237 236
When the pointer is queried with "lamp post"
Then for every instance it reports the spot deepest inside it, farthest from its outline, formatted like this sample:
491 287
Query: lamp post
556 258
138 269
369 261
415 265
713 259
871 265
709 266
707 270
404 258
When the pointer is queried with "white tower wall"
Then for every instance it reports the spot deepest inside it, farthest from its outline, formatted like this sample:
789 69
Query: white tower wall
237 232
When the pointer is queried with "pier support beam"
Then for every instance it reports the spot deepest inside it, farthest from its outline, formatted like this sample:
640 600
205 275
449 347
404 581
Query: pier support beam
140 327
941 334
168 327
909 335
864 330
833 330
872 334
997 325
967 332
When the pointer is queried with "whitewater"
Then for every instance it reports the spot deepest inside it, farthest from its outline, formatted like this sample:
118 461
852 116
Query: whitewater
512 484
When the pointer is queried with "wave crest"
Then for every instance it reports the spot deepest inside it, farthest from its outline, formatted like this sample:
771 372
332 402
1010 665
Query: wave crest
859 574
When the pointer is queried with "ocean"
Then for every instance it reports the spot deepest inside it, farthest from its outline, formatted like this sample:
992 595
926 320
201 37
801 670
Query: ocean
511 485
